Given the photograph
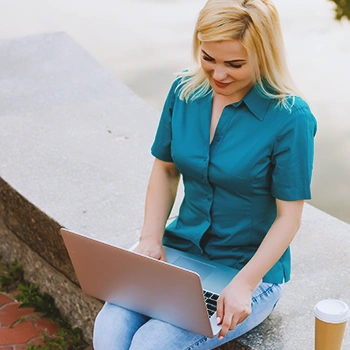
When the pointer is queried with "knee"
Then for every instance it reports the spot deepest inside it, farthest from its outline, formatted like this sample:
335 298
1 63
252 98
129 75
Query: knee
107 316
99 334
151 336
108 328
158 335
115 327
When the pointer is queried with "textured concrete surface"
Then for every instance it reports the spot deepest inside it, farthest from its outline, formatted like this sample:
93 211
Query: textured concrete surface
75 153
77 144
35 228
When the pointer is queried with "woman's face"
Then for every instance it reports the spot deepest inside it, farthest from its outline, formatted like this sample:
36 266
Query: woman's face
228 69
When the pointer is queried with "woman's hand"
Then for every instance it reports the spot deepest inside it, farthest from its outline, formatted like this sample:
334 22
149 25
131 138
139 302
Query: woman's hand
234 305
151 248
161 193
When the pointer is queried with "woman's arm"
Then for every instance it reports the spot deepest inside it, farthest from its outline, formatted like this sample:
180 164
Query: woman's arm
234 304
161 193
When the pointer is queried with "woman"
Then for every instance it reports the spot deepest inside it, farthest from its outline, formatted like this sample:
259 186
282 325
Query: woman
242 139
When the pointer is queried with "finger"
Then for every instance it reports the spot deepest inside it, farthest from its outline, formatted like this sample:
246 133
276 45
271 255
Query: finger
239 318
219 310
234 321
226 323
151 254
244 316
137 248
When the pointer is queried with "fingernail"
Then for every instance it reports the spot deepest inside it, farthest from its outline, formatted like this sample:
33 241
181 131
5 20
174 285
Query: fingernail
218 320
221 337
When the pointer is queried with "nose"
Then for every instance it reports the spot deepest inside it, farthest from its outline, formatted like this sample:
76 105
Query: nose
220 73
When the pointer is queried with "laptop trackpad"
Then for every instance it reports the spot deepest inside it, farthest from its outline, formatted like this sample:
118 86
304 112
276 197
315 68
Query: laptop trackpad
202 269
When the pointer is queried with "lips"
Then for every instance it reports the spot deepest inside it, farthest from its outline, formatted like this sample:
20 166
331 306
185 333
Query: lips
221 85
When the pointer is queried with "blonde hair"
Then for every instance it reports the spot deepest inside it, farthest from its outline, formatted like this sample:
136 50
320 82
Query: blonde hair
255 23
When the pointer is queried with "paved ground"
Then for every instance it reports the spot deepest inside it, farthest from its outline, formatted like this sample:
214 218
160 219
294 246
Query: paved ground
20 327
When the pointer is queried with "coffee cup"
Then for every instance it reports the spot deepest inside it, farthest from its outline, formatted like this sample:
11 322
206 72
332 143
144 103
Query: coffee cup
331 317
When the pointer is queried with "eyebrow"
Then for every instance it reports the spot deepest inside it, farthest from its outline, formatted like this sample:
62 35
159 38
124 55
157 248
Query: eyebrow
232 61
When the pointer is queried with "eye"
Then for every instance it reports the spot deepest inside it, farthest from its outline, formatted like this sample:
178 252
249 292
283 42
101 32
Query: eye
209 59
235 65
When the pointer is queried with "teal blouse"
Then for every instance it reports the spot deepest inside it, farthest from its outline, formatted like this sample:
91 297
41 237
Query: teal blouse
260 152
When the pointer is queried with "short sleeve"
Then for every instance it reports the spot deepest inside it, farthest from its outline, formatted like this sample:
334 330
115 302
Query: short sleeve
161 147
293 157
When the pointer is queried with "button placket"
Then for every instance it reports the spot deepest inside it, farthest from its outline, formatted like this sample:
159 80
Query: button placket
205 169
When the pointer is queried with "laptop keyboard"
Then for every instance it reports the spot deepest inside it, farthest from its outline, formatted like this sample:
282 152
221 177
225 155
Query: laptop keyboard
210 300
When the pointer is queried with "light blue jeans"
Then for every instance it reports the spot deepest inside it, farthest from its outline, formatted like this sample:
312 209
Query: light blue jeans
117 328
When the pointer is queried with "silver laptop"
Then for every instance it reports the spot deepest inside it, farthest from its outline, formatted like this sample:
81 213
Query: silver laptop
182 291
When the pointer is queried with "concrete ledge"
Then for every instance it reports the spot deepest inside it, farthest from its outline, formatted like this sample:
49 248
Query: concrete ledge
75 136
35 229
76 307
76 144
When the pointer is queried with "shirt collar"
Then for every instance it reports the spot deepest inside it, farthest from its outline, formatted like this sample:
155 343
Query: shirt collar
257 103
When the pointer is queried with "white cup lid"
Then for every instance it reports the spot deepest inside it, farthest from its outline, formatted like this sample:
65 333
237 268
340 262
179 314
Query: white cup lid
332 311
